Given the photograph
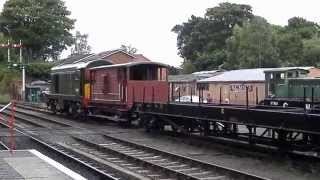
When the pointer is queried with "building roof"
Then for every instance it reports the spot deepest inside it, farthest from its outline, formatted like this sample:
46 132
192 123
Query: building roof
106 54
130 64
206 72
71 59
103 55
283 69
249 75
241 75
182 78
78 62
81 61
134 57
193 77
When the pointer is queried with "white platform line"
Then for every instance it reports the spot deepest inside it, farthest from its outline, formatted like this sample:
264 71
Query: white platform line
57 165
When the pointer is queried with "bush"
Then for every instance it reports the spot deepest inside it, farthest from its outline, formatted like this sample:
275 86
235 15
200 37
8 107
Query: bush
4 98
7 77
39 70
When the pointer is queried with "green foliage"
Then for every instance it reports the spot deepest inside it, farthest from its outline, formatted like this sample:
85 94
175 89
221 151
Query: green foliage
129 49
306 29
290 48
252 45
311 52
3 51
173 70
188 67
7 76
202 41
4 98
231 35
39 70
42 25
80 44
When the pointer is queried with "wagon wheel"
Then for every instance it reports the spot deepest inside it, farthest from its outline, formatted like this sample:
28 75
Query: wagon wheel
53 108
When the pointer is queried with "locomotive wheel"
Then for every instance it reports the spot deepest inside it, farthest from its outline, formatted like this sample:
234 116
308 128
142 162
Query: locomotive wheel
75 110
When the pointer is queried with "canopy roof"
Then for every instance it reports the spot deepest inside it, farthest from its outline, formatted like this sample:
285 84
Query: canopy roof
130 64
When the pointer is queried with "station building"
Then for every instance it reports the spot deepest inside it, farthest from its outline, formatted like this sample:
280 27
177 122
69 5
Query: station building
186 84
231 86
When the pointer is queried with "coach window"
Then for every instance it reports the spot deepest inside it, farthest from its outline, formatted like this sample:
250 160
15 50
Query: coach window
143 72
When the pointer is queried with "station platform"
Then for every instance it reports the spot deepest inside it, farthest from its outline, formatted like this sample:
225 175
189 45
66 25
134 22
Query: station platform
32 165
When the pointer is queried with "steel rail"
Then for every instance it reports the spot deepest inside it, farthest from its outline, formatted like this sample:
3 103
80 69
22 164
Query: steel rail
60 151
213 170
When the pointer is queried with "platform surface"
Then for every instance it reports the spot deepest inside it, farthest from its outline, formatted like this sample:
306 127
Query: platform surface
32 165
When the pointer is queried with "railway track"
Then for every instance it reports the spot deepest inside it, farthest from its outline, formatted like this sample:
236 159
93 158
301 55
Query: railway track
237 143
264 152
156 164
146 162
97 169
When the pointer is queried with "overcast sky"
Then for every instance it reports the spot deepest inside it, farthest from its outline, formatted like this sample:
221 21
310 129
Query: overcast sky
147 24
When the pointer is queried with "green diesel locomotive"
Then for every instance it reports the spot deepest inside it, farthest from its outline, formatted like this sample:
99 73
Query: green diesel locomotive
291 87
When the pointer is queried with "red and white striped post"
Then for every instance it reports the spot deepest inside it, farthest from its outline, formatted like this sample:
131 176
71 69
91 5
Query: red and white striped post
12 126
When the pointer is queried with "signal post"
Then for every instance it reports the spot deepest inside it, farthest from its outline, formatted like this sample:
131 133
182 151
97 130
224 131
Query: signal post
21 64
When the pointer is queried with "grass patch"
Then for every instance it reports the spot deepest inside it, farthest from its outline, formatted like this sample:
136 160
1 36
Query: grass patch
4 98
7 77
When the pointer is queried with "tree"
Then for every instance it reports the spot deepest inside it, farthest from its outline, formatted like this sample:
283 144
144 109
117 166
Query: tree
311 53
42 25
80 44
192 37
290 47
297 42
202 41
252 46
306 29
128 49
3 51
226 16
173 70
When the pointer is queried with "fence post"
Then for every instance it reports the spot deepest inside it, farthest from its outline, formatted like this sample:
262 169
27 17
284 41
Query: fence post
257 98
312 97
304 97
220 95
179 94
200 95
247 97
191 94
